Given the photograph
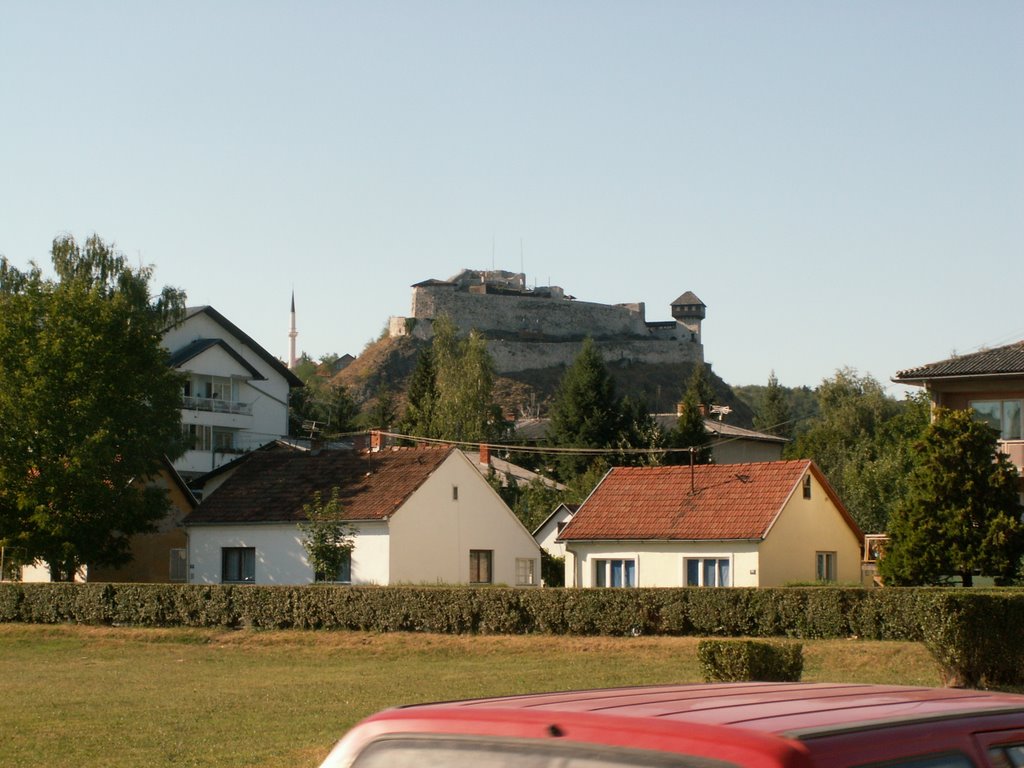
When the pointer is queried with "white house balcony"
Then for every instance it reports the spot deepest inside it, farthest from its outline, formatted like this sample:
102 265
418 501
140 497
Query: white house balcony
216 405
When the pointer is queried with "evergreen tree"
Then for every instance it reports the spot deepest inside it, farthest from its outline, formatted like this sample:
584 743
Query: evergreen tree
89 406
962 512
774 415
586 412
690 432
422 393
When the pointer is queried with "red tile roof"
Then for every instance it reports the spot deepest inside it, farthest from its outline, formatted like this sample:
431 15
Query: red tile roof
731 501
272 486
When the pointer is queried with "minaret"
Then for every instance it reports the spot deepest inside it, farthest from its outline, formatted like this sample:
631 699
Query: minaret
292 360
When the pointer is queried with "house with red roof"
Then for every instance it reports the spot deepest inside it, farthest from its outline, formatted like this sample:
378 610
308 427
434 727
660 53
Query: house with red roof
762 524
416 515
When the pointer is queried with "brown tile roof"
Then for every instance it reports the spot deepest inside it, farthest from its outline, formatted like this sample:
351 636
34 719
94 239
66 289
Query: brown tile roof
1008 360
272 486
732 501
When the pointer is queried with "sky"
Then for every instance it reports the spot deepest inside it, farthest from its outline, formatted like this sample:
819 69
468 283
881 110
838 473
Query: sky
841 183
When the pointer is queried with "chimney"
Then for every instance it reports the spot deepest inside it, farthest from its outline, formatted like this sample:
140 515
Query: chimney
376 440
485 454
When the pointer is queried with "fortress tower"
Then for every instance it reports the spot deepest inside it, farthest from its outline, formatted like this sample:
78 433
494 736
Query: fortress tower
688 310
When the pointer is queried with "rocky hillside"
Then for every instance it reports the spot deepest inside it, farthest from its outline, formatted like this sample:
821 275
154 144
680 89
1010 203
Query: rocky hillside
388 363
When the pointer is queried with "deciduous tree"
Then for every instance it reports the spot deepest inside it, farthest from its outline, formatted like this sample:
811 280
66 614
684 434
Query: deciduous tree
88 404
327 536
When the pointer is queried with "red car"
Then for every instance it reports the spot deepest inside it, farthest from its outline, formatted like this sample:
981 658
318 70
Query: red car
767 725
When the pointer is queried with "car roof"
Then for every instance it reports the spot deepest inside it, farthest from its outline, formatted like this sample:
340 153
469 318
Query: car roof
796 710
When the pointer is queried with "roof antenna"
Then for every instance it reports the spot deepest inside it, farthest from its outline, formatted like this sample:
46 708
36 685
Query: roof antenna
693 485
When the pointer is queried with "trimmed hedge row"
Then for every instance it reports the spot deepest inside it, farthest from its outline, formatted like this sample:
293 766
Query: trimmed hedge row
977 636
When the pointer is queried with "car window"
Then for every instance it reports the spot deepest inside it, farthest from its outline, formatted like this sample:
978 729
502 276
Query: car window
419 752
1007 756
945 760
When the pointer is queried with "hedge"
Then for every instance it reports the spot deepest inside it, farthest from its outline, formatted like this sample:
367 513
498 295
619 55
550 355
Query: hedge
976 635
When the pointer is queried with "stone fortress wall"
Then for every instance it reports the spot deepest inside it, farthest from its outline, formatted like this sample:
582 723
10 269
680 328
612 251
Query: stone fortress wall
529 328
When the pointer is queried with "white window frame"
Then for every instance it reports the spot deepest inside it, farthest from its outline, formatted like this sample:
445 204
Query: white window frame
702 561
605 575
526 572
1017 432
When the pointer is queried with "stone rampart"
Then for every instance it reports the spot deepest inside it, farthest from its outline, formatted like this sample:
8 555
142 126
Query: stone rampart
499 315
515 356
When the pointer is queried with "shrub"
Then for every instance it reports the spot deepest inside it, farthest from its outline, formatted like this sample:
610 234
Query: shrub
737 660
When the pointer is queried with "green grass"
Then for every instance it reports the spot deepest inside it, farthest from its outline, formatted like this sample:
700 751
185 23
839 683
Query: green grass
88 696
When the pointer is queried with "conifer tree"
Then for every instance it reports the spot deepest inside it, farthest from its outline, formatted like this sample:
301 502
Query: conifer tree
774 415
690 432
586 412
962 512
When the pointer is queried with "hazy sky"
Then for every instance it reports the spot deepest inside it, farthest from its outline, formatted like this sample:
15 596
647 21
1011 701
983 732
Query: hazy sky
842 183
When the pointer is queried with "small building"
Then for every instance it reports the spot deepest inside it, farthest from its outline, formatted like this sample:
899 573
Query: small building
546 534
416 515
762 524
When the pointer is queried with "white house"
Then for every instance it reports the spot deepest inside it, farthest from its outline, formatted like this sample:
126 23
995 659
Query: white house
417 516
546 534
235 396
762 524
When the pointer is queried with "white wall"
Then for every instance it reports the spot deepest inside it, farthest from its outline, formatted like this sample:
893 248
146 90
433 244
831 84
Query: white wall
268 398
433 533
661 564
547 533
280 557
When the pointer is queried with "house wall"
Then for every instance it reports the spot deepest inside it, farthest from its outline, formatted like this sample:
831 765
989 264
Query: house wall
804 528
268 398
741 451
280 557
661 563
545 536
432 534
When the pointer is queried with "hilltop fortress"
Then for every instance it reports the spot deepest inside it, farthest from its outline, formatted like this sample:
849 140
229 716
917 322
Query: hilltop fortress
542 327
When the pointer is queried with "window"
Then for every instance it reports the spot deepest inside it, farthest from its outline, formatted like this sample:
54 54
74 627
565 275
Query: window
707 572
199 437
455 493
614 573
238 564
344 574
526 572
807 486
826 566
1003 415
480 562
179 565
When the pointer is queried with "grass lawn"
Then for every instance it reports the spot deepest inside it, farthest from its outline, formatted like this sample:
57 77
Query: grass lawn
88 696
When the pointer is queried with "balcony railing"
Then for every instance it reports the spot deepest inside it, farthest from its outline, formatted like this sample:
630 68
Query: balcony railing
1015 450
216 405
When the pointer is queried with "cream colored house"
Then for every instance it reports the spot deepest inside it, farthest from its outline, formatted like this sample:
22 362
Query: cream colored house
417 516
762 524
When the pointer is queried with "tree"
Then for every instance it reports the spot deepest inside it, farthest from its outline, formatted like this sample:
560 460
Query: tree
324 403
328 539
690 432
774 415
586 412
422 393
88 403
962 512
451 393
862 440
